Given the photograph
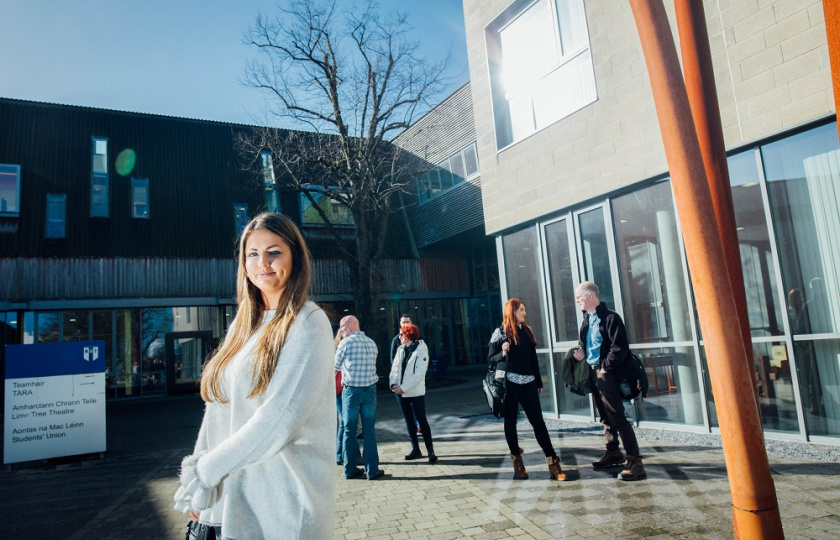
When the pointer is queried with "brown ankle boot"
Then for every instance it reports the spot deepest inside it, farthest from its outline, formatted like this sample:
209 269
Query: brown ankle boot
554 469
612 458
519 472
635 469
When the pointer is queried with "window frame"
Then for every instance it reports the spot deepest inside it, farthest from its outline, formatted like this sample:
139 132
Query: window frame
434 187
17 173
503 119
141 182
99 179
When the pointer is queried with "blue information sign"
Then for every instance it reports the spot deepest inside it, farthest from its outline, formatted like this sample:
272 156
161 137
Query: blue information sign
51 359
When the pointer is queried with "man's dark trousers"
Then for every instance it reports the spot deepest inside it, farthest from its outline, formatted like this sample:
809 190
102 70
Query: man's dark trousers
611 410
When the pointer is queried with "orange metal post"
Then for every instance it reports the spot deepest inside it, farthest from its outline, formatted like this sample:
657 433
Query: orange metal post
702 96
755 511
831 9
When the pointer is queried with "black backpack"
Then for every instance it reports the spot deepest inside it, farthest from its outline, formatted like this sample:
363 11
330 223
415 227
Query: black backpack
494 390
635 380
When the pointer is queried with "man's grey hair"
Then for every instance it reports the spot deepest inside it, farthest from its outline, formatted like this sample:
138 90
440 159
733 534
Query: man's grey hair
588 286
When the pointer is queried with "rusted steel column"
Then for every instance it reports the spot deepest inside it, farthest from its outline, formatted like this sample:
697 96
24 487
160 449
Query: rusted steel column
755 512
831 9
702 96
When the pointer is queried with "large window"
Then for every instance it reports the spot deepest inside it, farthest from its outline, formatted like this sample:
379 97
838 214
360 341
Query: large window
803 183
450 172
522 278
540 66
99 197
240 217
9 190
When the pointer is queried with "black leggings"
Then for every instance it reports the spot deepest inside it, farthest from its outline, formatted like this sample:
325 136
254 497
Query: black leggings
415 408
527 396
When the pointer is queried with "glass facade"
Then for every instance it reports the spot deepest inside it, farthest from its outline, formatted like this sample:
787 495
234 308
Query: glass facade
786 196
137 357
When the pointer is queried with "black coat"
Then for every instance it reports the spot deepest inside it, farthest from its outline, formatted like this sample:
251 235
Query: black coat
614 348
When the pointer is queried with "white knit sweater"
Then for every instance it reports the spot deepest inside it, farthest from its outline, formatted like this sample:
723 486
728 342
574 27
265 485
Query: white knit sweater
262 467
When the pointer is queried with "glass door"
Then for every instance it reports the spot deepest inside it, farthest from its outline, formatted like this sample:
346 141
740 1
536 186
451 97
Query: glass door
561 270
185 354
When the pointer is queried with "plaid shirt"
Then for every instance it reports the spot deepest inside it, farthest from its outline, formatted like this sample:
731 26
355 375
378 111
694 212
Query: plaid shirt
356 358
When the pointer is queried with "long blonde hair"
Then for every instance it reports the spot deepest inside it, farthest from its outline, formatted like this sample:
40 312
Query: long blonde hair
250 311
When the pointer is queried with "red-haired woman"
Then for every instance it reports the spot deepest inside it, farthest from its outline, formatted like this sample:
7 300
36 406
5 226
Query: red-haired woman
408 381
514 344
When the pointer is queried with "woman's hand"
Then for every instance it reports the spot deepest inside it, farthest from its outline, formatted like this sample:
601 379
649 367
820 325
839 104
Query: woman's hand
397 390
505 348
193 515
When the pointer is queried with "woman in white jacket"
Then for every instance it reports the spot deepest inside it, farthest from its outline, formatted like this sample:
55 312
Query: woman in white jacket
262 464
408 381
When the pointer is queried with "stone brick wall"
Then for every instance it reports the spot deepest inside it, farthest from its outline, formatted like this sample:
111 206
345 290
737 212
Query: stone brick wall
772 73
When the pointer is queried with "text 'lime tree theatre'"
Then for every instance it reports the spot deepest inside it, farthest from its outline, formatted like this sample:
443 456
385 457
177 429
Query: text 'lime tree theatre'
55 400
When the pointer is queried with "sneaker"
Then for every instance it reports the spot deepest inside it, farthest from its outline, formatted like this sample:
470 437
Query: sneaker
379 474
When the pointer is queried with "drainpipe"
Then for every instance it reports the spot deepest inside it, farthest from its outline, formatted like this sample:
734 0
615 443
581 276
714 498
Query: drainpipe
755 512
702 96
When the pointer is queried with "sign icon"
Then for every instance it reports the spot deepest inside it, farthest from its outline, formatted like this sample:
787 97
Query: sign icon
91 354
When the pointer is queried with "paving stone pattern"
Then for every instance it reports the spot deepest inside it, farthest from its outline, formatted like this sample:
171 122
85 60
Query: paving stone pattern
468 493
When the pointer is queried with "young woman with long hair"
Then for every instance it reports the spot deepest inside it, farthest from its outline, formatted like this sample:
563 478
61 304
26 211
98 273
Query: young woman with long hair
514 344
262 464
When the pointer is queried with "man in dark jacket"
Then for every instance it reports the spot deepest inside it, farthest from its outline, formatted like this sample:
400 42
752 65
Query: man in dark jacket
603 345
405 319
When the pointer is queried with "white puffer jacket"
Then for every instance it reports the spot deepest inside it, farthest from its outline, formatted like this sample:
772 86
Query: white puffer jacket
413 381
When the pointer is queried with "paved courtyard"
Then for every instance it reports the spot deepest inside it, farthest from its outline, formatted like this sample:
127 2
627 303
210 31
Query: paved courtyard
469 493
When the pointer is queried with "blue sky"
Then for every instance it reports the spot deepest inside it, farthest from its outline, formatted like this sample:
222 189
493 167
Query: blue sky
172 57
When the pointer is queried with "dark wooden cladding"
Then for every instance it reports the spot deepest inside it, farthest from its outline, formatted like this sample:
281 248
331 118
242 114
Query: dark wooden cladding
53 279
193 171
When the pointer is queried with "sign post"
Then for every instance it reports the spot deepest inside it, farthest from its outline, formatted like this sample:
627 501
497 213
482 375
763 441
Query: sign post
55 400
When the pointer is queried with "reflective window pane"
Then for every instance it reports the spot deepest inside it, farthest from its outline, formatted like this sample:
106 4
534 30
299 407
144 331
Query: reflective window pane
775 388
547 397
562 281
568 402
521 255
803 181
759 269
76 326
818 370
48 327
674 392
652 277
595 253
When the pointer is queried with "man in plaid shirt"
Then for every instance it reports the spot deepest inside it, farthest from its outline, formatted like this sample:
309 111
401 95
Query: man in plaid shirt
356 358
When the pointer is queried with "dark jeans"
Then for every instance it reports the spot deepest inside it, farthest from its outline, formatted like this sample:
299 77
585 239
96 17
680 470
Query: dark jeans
528 397
416 423
611 410
414 410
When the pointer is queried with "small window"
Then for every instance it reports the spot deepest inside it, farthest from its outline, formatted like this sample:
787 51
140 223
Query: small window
56 215
99 197
9 190
471 160
272 201
140 198
240 217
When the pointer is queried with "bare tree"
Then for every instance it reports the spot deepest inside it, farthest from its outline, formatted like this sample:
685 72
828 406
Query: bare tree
353 80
